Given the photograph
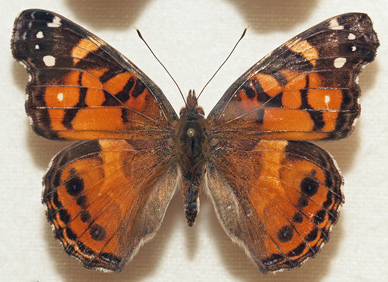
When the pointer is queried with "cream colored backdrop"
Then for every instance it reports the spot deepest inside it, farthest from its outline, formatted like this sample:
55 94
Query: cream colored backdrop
192 38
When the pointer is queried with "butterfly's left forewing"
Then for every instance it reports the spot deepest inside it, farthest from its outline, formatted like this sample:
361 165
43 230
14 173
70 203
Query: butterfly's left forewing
306 89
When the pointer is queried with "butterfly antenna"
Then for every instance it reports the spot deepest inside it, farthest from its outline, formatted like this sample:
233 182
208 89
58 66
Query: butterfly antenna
227 58
152 52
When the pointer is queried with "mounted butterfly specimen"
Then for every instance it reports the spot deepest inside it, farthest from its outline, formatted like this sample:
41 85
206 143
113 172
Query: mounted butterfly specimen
274 193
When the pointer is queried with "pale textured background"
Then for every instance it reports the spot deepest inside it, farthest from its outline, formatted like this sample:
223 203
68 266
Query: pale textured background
192 38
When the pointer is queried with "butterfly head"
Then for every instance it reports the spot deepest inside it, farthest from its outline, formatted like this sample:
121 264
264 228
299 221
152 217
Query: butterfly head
191 105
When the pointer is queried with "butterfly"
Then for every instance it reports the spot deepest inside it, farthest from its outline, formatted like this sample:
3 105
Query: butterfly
275 193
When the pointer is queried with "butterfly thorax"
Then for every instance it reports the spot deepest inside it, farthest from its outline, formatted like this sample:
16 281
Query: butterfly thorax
192 147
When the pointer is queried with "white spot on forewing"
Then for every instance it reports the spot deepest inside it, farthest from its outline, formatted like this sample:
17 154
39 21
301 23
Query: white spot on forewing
56 22
327 99
351 36
60 97
37 47
335 25
49 60
339 62
354 48
333 22
39 34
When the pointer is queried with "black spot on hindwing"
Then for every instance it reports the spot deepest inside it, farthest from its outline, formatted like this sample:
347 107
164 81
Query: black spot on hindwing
97 232
75 185
309 186
285 233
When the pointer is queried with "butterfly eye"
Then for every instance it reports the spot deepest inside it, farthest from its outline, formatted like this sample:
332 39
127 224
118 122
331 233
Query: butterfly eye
200 111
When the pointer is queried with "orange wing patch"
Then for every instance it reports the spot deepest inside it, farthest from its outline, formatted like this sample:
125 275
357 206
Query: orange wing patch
81 106
306 50
306 107
83 48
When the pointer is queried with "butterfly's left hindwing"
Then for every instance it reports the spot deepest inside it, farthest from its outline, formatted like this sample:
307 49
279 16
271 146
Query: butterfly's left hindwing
81 88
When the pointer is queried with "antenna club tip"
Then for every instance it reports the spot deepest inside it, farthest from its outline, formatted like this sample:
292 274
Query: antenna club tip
138 32
244 32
